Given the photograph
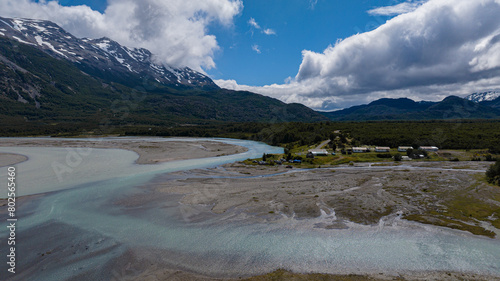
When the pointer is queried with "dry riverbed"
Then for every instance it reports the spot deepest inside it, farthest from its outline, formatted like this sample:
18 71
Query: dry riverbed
448 194
150 152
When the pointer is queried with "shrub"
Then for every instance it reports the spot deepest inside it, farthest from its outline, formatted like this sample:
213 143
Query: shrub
493 173
398 157
384 155
490 158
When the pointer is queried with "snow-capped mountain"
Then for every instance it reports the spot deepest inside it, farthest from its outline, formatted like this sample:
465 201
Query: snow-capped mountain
481 97
103 57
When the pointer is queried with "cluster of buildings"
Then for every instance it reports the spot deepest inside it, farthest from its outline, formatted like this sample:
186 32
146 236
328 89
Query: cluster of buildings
388 149
424 148
381 149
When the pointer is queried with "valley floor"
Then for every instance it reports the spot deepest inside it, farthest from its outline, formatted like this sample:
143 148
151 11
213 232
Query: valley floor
447 194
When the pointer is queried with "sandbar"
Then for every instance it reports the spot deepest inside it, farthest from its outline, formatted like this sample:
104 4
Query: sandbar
10 159
150 151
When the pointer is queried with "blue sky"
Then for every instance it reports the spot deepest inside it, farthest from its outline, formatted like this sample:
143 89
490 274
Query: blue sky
99 5
298 26
326 54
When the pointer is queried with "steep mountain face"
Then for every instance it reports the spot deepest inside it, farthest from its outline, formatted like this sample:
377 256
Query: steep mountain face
405 109
102 57
41 94
483 97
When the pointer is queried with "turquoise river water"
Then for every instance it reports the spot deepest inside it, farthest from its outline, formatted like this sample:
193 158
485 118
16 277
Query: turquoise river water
78 228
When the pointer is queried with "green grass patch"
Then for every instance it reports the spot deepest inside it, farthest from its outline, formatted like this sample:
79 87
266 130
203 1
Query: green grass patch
284 275
450 223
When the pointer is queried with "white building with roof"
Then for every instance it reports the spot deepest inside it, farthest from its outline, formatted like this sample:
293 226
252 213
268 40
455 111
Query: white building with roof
429 148
404 148
359 149
318 152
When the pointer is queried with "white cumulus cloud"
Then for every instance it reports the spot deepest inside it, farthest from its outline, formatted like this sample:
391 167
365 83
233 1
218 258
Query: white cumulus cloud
312 4
253 22
175 30
443 47
256 48
269 31
398 9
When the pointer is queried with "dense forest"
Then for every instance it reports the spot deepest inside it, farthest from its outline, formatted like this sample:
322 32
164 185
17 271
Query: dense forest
472 134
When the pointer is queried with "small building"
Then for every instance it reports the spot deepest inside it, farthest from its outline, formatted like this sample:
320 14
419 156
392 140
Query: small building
429 148
405 158
359 149
382 149
404 148
318 152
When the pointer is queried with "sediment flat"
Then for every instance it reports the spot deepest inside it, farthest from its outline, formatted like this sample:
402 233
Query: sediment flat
150 152
447 194
9 159
365 193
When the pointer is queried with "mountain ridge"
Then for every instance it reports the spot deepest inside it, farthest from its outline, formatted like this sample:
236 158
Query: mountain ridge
47 94
102 57
452 107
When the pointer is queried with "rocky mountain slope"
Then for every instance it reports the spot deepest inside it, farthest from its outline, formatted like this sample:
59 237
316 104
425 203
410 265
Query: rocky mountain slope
483 97
102 57
47 88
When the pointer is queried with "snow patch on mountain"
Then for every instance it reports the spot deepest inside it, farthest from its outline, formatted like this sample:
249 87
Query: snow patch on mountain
103 45
102 55
40 28
486 96
18 25
22 41
40 42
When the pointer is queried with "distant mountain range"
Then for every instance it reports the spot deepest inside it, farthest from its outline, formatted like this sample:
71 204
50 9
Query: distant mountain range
51 79
451 107
48 76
